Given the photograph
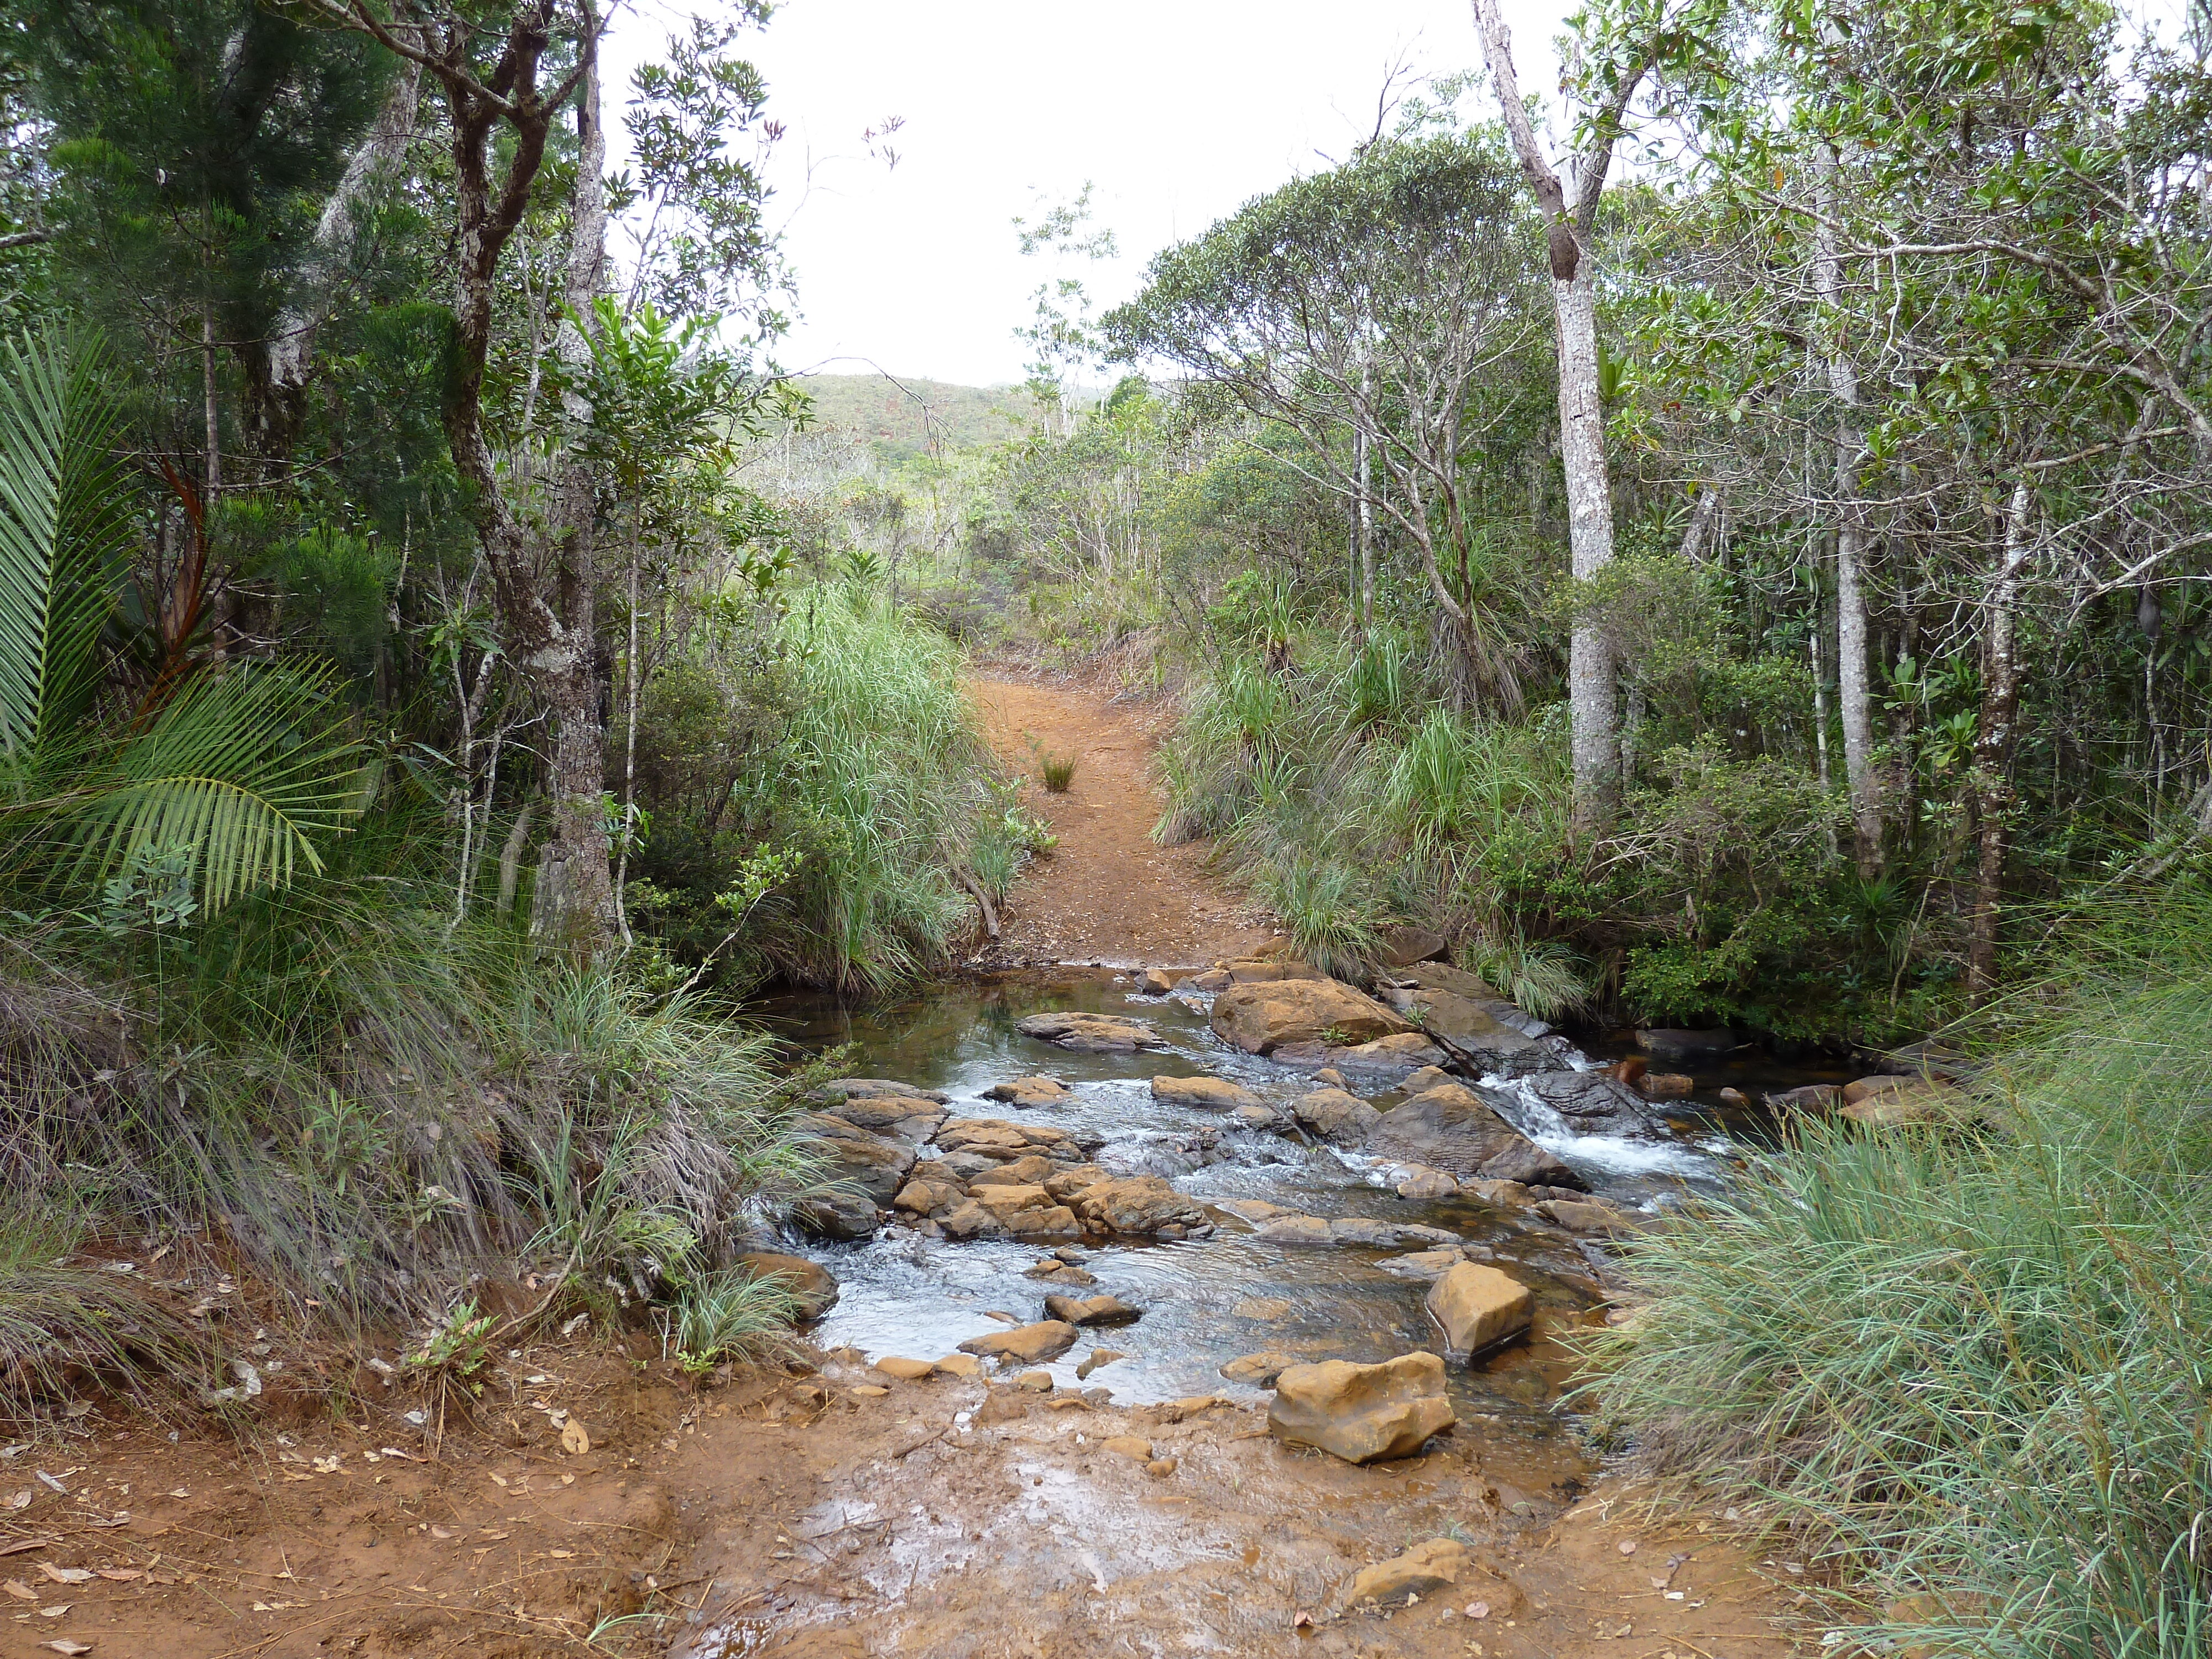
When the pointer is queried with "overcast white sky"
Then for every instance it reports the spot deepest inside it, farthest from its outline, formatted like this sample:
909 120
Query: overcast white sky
1179 110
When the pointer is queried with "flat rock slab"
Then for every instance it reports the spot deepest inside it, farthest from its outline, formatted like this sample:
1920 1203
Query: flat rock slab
1363 1413
1099 1034
846 1088
1340 1119
1144 1206
1453 1128
1026 1344
999 1141
1378 1064
1597 1103
1209 1093
1426 1266
1442 977
1421 1570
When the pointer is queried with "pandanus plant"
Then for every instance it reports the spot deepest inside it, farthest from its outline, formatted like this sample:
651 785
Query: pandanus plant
225 772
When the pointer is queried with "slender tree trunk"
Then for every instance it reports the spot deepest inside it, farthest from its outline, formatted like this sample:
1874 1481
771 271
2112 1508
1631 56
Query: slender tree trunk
1854 691
575 899
629 736
1592 690
1994 743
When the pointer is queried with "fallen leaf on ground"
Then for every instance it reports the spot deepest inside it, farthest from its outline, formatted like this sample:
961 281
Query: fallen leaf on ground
439 1532
574 1440
20 1590
1628 1546
57 1610
65 1575
121 1575
17 1545
63 1645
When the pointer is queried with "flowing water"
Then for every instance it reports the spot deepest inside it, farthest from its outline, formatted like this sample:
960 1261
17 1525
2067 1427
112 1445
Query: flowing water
1209 1301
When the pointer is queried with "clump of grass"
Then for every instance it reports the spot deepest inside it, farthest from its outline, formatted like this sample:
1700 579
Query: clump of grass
731 1314
1322 909
62 1323
1058 771
1973 1368
1545 976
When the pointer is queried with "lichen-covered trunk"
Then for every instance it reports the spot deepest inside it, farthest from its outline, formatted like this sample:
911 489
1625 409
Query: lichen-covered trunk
1995 740
1592 691
1854 688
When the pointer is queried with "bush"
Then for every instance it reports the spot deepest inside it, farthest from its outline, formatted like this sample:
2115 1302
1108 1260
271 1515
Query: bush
1972 1367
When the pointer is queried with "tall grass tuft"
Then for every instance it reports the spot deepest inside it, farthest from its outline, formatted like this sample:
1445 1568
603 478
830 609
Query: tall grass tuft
61 1322
1975 1368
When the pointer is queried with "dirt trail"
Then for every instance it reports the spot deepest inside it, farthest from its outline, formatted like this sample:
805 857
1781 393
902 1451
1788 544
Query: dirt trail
1108 894
832 1513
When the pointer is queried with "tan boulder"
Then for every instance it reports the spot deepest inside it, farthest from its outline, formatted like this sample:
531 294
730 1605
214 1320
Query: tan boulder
1477 1307
1028 1171
1883 1083
1428 1266
1591 1219
1363 1413
958 1364
1259 970
1420 1571
1156 982
1418 1182
1212 1093
1921 1102
1296 1230
1259 1017
1133 1447
930 1197
906 1371
1032 1345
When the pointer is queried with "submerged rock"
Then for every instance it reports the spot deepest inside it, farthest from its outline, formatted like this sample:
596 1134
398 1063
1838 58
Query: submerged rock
1387 1235
1477 1307
1295 1230
1091 1033
1259 1017
1674 1044
1211 1093
836 1215
1363 1413
1597 1103
1589 1217
1807 1097
1427 1265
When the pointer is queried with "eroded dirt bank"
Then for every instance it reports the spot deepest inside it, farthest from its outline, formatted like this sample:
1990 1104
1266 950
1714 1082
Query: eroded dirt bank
830 1512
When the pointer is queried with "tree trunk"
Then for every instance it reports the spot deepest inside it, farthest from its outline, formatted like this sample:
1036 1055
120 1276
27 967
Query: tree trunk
1591 689
1854 691
1993 748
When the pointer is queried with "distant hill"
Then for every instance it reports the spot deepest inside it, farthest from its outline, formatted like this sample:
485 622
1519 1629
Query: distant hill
897 417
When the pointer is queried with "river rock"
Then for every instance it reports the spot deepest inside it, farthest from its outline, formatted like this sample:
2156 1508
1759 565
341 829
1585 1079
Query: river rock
1487 1043
1477 1307
836 1215
1341 1119
811 1287
1060 1273
1295 1230
1596 1104
1259 1370
1140 1205
1386 1234
1676 1045
1028 1171
1421 1570
959 1364
1210 1093
1095 1360
1666 1085
1441 977
1920 1102
1453 1128
935 1195
1262 1117
1427 1265
1095 1034
909 1119
1261 1017
1377 1064
1091 1310
1255 1210
1883 1083
1418 1182
1807 1097
1210 982
1270 970
1156 982
1588 1218
1401 947
998 1141
874 1163
1363 1413
904 1370
1133 1447
969 1219
1507 1194
1030 1091
1026 1344
1267 1309
846 1088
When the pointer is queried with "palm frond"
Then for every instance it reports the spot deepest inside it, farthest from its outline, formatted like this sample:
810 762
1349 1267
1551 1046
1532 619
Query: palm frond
65 532
242 768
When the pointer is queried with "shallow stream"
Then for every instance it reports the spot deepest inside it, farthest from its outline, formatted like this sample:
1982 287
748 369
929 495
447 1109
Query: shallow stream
1209 1301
